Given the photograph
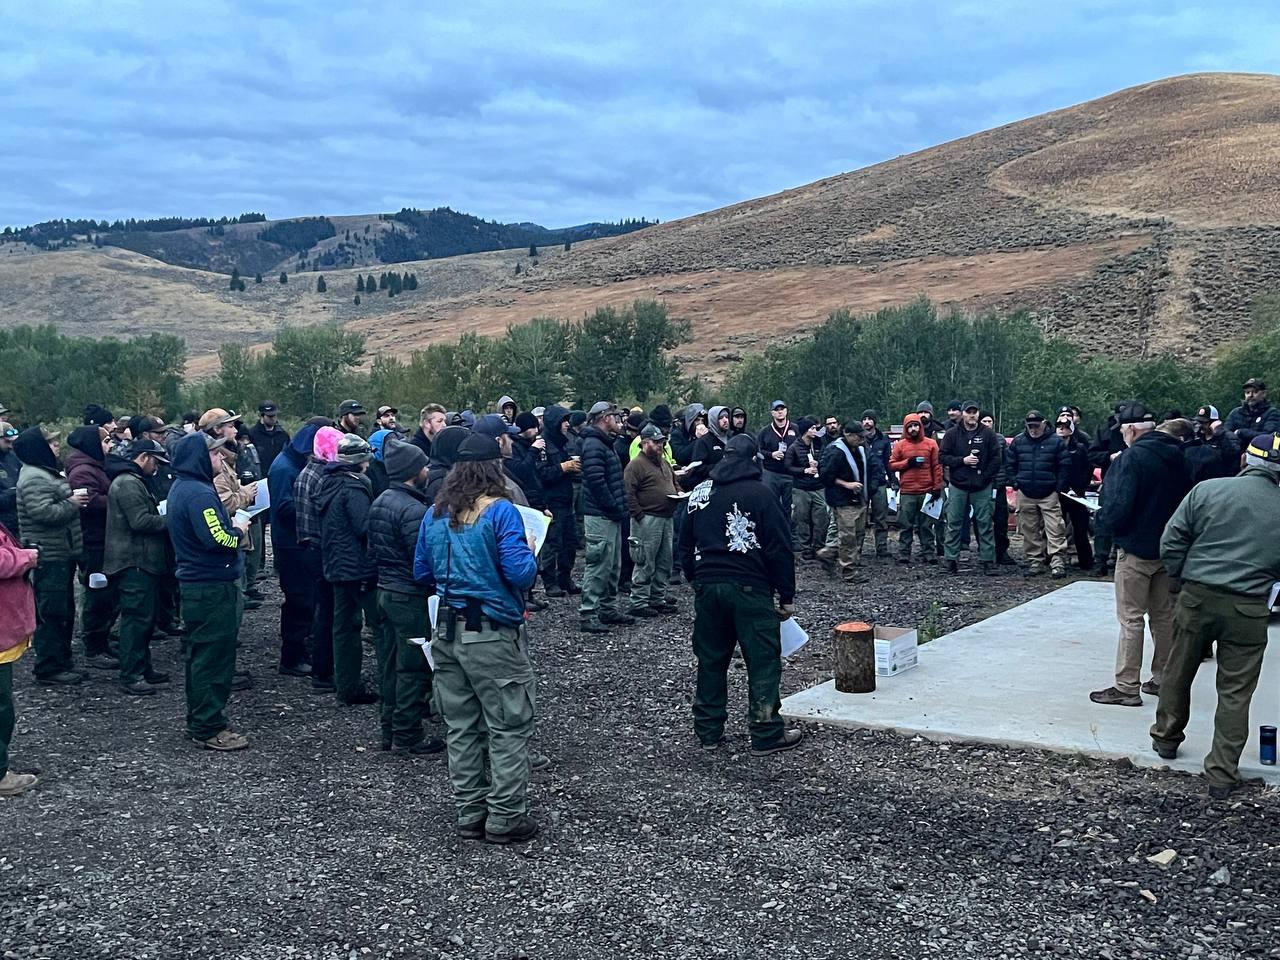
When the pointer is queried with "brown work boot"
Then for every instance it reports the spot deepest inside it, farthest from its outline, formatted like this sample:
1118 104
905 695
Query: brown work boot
225 741
12 784
1151 688
1112 697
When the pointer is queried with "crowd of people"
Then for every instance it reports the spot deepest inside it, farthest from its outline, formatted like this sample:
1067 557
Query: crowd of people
166 528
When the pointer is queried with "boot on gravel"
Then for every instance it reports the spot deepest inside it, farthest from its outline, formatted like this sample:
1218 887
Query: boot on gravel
643 612
1112 697
359 697
138 688
156 677
421 748
102 661
225 742
592 625
523 828
950 566
789 740
989 569
571 588
471 830
12 784
64 678
555 592
616 616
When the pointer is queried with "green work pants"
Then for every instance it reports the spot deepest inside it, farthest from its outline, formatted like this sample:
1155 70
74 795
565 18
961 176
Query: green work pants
7 715
878 518
97 607
255 558
402 667
1237 624
211 613
486 692
651 554
957 513
603 565
139 592
809 515
54 583
728 615
354 602
913 521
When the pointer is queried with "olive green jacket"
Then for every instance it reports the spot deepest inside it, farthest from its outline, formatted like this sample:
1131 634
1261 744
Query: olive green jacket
136 533
1223 534
46 514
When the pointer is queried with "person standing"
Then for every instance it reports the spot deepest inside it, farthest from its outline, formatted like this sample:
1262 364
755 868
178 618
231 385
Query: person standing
10 467
385 419
86 470
915 460
17 600
1144 487
850 481
773 442
49 520
431 420
999 498
971 454
1218 543
1037 469
604 504
650 486
267 436
136 557
395 518
1108 444
879 448
306 503
557 466
736 551
1079 474
1213 452
473 552
808 502
210 562
344 500
1256 415
351 414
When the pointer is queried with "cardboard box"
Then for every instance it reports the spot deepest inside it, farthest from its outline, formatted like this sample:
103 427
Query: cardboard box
896 650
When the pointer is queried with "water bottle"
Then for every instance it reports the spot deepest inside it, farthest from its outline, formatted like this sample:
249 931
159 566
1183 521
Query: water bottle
1267 745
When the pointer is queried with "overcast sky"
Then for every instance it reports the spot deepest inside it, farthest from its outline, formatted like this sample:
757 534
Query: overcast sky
554 112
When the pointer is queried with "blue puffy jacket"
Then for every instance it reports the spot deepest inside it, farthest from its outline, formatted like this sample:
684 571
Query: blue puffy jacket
280 478
206 545
487 560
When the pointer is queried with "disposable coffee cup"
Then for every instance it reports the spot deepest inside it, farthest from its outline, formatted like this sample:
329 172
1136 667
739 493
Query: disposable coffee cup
97 581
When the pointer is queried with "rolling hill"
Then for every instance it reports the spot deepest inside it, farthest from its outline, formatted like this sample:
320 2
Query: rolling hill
1143 222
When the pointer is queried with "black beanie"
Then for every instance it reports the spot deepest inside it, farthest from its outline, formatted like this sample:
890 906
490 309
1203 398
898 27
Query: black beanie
97 415
526 421
661 416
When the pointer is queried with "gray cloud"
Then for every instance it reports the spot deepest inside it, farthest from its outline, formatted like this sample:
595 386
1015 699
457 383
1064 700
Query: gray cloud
558 112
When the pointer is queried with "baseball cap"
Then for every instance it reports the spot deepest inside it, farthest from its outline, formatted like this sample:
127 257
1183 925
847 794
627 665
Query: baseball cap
1255 383
650 432
217 417
853 426
268 407
1208 413
1132 411
538 411
350 406
8 430
478 447
384 410
1034 416
967 406
776 404
599 409
493 426
141 445
955 405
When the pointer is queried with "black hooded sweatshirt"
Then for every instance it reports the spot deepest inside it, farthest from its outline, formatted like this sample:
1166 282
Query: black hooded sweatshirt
444 449
734 529
1143 489
557 486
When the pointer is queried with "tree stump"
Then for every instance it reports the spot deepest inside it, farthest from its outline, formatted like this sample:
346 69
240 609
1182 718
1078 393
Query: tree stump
855 657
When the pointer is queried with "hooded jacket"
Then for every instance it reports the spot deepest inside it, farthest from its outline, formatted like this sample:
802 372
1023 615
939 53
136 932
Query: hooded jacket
682 434
797 463
269 444
769 440
46 514
10 467
734 530
1037 467
17 598
443 451
1143 489
957 443
137 535
503 401
746 424
86 468
602 490
708 449
280 480
522 467
916 462
207 547
395 519
344 502
557 486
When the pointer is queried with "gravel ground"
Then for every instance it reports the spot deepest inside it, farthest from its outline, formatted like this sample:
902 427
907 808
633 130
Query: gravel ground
314 844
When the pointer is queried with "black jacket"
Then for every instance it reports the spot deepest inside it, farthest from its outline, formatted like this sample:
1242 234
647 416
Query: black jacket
10 467
735 532
1038 466
682 435
344 502
422 442
443 450
522 467
394 521
1246 422
1106 441
768 440
1143 489
1079 469
880 447
1219 456
797 462
834 465
956 445
268 443
557 486
603 494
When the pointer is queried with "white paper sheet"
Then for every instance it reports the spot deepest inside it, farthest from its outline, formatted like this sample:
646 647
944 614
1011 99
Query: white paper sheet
425 644
1091 504
241 516
893 500
163 507
933 508
433 611
536 525
261 502
793 636
1274 596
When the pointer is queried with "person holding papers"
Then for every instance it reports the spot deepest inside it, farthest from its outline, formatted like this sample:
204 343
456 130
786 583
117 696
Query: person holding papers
736 550
473 552
394 521
915 460
650 486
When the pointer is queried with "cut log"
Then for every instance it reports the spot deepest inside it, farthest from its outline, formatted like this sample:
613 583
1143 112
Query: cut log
855 657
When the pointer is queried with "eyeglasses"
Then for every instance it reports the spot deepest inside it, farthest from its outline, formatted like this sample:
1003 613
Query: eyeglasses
1064 425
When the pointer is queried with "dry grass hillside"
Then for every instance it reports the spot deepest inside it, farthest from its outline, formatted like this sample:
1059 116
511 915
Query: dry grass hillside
1146 221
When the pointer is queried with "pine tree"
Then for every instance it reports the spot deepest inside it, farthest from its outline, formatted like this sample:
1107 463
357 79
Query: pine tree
320 285
284 277
257 278
357 300
566 246
235 278
382 282
359 285
533 249
517 269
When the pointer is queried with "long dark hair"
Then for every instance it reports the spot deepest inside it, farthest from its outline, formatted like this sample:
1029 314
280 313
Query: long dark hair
466 483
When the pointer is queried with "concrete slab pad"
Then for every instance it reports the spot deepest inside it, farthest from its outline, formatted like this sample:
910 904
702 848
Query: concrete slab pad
1023 678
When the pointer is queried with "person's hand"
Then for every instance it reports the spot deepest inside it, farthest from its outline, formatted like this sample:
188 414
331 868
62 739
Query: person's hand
936 494
700 430
250 489
786 610
811 471
241 525
918 461
539 444
33 556
533 544
1116 454
855 486
571 466
778 454
81 500
971 460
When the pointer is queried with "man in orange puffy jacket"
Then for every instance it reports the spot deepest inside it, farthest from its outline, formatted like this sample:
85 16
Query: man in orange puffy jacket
915 459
